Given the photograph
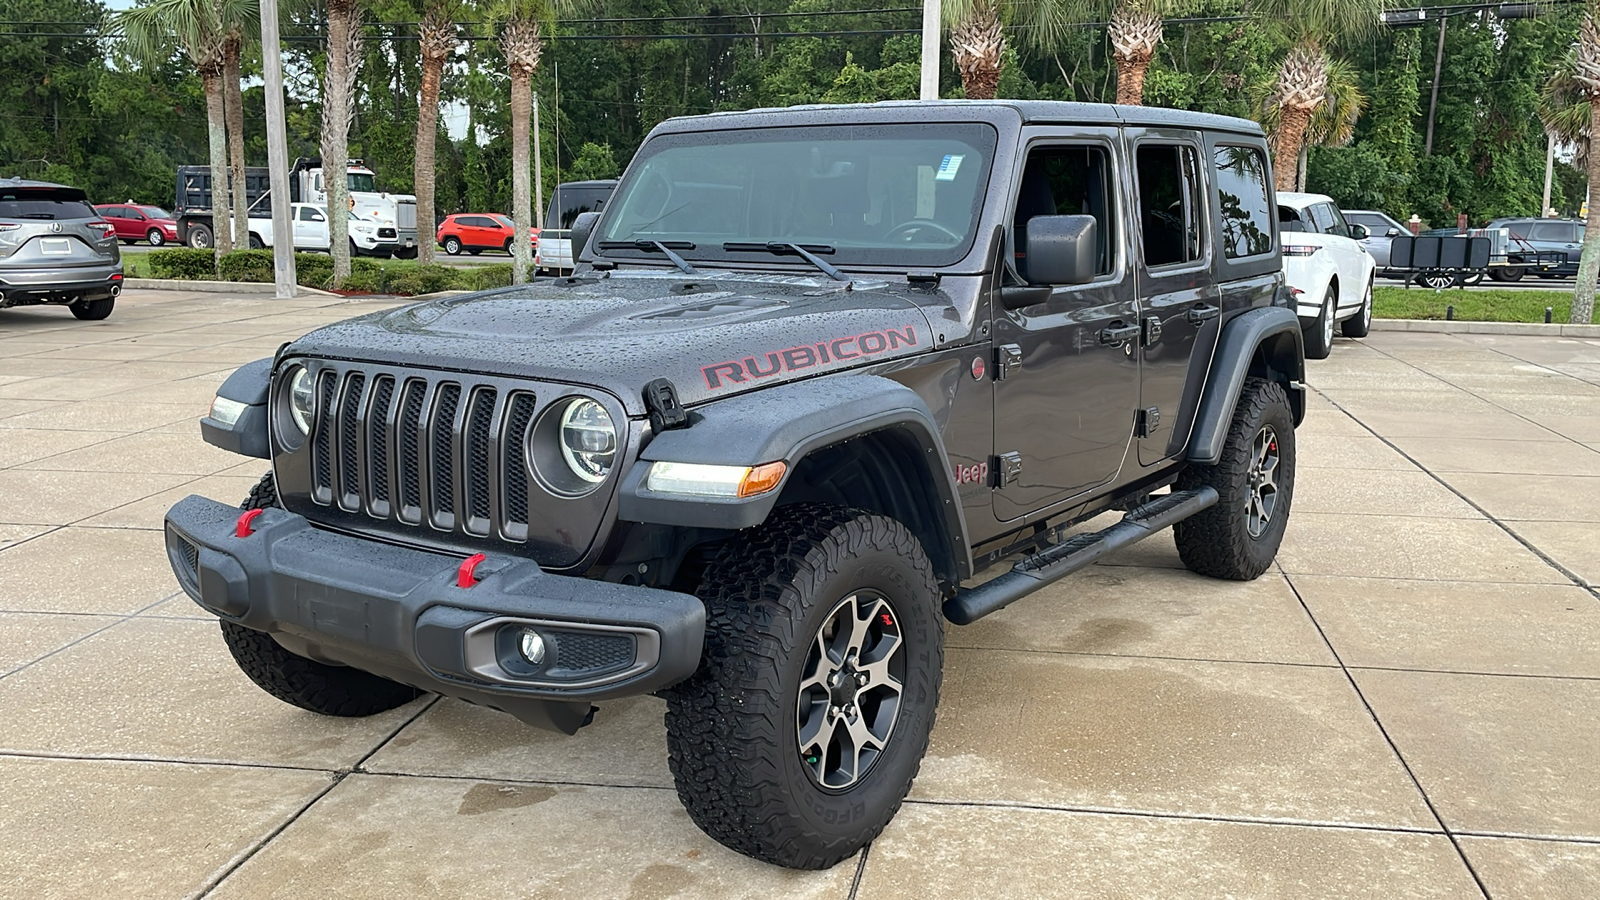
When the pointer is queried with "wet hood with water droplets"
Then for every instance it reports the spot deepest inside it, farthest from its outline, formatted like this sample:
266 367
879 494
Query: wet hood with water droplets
714 335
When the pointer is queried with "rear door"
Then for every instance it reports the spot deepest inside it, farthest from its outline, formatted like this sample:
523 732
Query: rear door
1067 356
1351 260
1181 309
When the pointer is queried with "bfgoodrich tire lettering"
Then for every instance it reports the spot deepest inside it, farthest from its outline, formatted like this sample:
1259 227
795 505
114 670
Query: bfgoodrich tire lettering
732 732
1218 541
306 683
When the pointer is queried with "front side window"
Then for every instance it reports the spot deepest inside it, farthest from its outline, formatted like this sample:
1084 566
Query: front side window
1073 180
893 195
1340 226
1169 204
1243 210
1550 231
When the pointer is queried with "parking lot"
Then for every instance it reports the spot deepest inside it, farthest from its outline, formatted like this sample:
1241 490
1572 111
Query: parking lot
1407 705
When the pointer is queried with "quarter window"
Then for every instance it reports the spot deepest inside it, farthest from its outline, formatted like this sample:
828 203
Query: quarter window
1067 181
1245 216
1169 204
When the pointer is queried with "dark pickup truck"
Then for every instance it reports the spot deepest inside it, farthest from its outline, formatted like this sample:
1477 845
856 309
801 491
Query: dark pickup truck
819 374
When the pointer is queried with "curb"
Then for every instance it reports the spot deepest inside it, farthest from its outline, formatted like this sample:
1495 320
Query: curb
219 287
1457 327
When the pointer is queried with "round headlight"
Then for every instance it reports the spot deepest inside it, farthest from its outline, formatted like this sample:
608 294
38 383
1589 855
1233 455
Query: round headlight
302 402
572 446
588 440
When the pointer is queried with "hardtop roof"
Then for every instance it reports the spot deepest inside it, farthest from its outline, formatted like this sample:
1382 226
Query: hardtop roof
1033 112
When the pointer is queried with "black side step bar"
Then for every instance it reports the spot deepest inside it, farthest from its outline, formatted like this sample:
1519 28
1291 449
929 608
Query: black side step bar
1060 560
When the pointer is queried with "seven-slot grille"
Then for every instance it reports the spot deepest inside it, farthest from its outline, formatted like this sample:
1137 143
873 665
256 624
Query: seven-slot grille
431 450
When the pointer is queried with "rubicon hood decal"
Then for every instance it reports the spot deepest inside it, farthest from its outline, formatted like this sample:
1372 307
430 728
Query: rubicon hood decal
712 338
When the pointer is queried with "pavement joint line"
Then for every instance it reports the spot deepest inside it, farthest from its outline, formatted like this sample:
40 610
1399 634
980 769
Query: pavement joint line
102 629
1156 656
49 529
1462 673
1545 838
1393 747
501 779
1572 576
337 779
160 761
1124 812
861 869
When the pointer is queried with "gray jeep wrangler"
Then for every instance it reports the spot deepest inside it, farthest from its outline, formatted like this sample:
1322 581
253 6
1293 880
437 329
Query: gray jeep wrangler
818 372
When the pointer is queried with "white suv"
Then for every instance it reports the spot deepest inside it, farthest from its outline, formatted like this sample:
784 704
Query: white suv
1328 272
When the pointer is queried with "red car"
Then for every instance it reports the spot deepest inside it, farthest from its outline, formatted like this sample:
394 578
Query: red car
140 223
477 232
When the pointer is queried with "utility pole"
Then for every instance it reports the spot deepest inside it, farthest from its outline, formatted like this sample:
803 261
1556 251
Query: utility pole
538 170
1549 171
1433 101
930 49
283 274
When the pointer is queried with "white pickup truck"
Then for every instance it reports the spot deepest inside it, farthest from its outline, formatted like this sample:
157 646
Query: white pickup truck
311 232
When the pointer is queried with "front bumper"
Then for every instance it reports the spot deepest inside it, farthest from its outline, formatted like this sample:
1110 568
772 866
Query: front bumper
400 613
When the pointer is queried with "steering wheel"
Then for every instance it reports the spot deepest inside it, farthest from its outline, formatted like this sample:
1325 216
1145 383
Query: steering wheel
912 226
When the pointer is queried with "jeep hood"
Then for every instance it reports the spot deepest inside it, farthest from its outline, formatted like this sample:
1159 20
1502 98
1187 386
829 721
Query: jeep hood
713 335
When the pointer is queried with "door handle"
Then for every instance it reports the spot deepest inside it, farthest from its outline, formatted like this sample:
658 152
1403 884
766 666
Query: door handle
1117 334
1199 313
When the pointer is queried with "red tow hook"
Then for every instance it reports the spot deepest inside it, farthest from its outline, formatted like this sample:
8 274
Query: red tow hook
467 575
246 526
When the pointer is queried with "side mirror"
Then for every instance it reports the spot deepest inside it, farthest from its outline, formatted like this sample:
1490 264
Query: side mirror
1062 250
582 227
1393 232
1359 232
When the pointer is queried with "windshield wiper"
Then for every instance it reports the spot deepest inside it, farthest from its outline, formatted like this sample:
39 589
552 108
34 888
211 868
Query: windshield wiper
786 248
658 247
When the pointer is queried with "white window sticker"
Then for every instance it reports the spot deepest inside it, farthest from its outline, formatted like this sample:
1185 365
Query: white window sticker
949 167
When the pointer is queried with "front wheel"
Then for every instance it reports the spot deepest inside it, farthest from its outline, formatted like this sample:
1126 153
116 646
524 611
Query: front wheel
801 733
155 237
1358 325
452 246
1238 538
256 243
1319 334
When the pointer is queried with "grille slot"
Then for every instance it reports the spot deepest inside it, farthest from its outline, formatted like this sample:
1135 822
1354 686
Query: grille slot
350 442
443 462
424 450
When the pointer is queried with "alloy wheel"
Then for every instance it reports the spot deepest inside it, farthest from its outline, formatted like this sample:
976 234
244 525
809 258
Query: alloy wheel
1262 498
850 690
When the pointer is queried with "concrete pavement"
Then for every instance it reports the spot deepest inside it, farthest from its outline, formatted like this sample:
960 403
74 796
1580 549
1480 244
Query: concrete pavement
1407 705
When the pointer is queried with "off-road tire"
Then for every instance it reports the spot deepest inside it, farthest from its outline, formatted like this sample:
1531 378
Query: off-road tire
732 730
308 684
1319 334
1360 324
93 310
1217 541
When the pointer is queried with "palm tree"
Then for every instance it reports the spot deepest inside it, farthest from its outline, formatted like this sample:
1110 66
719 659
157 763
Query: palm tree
1332 124
1570 109
977 42
1134 31
200 29
233 111
522 43
1303 75
338 88
438 43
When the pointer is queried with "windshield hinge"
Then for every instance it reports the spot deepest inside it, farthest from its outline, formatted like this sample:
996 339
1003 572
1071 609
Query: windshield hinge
931 279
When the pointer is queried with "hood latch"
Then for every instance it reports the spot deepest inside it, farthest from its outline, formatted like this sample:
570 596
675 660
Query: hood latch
666 413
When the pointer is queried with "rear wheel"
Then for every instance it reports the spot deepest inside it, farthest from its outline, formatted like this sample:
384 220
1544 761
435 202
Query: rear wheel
452 246
1436 280
155 238
1508 273
1358 325
256 243
318 687
800 735
93 310
1238 538
1319 334
200 237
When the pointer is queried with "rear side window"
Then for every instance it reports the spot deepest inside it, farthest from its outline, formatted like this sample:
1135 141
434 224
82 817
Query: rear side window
1246 217
1551 231
1289 219
45 205
1169 204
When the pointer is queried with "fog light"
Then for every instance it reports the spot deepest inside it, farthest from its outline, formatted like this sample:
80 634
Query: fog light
532 646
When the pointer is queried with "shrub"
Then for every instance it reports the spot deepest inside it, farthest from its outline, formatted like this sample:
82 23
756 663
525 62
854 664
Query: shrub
414 280
246 265
487 277
183 262
363 281
314 270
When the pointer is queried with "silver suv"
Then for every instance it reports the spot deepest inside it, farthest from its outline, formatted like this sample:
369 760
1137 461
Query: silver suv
55 248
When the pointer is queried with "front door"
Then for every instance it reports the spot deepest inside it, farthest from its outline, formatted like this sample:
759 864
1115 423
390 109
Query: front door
1181 314
1066 368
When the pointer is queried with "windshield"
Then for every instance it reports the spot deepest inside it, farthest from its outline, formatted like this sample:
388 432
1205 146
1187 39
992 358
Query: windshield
504 221
155 212
893 195
364 182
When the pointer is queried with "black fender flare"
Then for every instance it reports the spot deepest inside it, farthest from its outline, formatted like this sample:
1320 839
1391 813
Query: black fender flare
246 435
786 423
1267 342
